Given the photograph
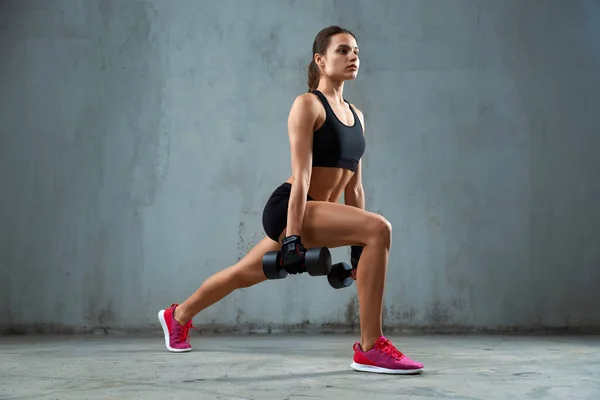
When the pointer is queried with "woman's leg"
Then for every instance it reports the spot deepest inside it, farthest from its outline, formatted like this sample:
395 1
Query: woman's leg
177 319
333 225
245 273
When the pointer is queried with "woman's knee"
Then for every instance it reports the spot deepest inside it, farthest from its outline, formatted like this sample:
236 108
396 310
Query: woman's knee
379 231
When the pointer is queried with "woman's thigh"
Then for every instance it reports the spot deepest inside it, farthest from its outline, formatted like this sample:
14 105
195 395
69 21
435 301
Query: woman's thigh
333 225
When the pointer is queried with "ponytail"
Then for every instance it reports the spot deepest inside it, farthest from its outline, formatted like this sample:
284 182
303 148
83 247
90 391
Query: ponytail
313 76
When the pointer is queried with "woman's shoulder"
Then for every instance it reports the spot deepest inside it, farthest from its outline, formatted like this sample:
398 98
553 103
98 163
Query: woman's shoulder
308 103
308 99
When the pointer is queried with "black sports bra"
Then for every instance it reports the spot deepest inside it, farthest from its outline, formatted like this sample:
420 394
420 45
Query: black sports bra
336 144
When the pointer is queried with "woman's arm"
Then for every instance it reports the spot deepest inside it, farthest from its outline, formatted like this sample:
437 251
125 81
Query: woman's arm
301 122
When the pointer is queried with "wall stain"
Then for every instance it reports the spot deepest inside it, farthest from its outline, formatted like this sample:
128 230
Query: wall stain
352 312
401 314
438 313
106 315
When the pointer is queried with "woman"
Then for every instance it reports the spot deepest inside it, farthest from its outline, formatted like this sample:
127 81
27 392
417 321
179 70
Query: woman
327 142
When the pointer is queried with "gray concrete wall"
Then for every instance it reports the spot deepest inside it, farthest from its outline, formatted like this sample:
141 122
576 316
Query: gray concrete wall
133 142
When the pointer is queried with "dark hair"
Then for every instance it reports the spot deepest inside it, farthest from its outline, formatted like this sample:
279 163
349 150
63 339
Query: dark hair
320 45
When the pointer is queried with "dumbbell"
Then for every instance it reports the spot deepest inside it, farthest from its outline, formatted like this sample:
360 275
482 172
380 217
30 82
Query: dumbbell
317 262
340 275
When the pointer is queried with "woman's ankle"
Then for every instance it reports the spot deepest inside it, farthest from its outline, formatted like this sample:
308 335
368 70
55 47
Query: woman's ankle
179 315
367 343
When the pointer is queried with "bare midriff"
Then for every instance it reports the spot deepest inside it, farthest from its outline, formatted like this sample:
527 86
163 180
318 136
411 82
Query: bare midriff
326 183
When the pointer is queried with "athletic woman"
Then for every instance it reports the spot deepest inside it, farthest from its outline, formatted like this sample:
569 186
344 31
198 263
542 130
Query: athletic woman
326 135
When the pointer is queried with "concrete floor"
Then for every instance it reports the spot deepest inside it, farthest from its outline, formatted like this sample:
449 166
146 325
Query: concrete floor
298 366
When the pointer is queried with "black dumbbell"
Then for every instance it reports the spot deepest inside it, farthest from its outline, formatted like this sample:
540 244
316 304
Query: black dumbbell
317 262
340 275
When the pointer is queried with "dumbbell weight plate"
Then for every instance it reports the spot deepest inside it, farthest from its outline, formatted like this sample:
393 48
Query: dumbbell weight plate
318 261
340 275
270 264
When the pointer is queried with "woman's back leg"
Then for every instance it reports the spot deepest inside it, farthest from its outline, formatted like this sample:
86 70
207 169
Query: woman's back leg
245 273
176 320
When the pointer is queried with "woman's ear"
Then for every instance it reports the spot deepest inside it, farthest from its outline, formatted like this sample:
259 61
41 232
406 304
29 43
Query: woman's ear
319 60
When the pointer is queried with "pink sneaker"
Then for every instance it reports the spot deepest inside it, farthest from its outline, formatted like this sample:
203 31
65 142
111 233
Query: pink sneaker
384 358
177 337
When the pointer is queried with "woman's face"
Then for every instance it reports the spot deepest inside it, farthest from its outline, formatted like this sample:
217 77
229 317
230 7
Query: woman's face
341 60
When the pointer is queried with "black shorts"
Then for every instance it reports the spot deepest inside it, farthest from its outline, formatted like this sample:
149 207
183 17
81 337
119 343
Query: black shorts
274 217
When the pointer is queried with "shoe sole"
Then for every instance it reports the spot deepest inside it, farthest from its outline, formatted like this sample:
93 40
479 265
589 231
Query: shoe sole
165 328
380 370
